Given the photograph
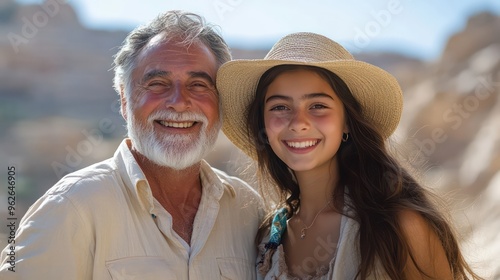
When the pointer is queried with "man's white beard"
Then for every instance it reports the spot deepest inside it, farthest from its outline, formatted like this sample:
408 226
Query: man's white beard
177 151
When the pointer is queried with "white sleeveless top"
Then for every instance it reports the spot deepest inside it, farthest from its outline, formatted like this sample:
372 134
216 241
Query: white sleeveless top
343 266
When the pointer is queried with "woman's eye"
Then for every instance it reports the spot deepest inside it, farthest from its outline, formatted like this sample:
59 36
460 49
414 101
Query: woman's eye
318 106
278 108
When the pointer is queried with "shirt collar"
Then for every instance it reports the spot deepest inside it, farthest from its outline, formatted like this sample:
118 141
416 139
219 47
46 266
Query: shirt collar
213 185
213 182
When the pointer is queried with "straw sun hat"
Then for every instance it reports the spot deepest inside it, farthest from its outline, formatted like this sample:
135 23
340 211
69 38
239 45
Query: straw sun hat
377 91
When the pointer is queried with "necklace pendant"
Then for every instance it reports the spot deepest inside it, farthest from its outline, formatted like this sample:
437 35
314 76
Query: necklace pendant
303 230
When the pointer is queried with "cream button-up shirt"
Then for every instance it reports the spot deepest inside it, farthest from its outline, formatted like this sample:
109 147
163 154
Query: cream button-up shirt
102 222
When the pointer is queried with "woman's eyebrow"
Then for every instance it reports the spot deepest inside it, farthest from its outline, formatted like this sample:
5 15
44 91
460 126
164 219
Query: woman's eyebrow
305 96
316 95
278 97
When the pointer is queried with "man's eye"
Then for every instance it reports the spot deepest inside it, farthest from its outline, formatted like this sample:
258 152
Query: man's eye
157 86
199 87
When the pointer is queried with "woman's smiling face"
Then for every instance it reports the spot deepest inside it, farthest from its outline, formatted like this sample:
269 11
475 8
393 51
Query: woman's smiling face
304 120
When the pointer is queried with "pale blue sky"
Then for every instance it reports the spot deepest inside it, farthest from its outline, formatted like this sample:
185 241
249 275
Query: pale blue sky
416 27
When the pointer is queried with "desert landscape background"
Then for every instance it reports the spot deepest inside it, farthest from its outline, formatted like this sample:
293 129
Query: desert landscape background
59 113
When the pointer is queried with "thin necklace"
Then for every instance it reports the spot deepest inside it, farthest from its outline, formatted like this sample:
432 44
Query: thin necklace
303 230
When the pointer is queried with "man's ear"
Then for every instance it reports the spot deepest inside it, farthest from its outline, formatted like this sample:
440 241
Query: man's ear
123 102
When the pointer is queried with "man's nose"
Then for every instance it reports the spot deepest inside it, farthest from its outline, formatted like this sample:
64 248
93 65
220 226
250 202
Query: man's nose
179 98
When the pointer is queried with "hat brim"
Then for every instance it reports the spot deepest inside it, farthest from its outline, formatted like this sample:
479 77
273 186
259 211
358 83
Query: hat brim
377 91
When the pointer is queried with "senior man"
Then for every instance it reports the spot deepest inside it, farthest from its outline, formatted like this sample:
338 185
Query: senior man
156 209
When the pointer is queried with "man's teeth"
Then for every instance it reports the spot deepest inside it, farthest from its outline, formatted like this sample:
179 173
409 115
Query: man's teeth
177 124
303 144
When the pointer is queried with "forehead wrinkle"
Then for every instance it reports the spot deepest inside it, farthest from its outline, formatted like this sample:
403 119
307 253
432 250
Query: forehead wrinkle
156 45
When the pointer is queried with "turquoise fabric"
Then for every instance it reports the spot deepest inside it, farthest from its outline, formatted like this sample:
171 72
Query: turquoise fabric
278 228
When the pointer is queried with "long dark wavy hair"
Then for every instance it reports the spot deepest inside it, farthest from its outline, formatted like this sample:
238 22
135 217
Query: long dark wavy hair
377 185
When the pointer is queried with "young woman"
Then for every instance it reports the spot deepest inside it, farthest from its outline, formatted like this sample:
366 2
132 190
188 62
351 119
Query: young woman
317 121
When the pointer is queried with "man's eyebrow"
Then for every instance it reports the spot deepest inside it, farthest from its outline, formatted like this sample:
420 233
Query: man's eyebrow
162 74
155 73
203 75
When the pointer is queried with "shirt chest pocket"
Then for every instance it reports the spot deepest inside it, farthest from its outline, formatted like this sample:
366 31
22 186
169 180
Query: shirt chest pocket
143 268
234 268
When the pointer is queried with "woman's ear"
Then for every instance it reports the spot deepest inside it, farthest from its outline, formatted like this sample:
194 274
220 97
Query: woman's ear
345 133
346 129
